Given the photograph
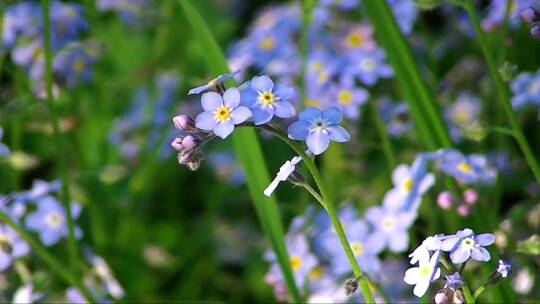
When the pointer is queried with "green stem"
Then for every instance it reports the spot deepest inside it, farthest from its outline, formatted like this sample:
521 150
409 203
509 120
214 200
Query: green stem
72 242
331 210
502 91
383 134
479 291
307 9
469 299
53 263
314 193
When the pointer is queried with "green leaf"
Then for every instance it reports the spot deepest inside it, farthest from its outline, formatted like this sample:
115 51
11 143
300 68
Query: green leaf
249 153
530 246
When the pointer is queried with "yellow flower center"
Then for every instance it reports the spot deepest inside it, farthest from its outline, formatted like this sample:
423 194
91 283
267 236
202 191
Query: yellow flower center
408 185
388 224
461 116
425 271
355 40
345 97
468 243
313 103
267 98
53 220
267 44
315 274
367 64
78 66
38 53
296 262
316 66
464 167
357 248
5 243
222 114
323 77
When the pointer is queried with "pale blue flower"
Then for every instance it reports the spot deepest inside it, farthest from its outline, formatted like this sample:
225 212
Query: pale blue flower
453 281
12 246
318 128
396 117
348 97
462 114
221 113
467 169
73 65
405 13
526 90
342 4
368 67
504 269
465 244
264 100
497 10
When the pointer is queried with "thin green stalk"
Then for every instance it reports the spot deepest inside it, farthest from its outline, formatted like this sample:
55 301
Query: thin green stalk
48 258
388 150
331 210
72 242
469 299
307 9
314 193
479 291
502 91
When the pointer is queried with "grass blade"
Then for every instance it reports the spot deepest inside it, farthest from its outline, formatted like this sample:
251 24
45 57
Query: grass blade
252 159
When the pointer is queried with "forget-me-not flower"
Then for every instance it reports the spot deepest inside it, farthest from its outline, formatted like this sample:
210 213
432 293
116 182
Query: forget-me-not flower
264 100
424 274
11 246
526 89
212 84
318 128
368 67
465 244
73 65
221 113
347 97
467 169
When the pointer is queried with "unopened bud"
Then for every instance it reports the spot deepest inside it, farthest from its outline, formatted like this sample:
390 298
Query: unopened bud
458 297
445 200
189 142
443 296
183 122
177 144
463 210
470 196
535 31
529 15
351 286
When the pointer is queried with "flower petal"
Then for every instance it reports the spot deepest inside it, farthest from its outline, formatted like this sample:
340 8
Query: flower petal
224 129
284 92
284 109
211 101
460 255
421 288
484 239
248 97
262 83
332 115
399 241
205 121
309 114
411 275
240 114
299 130
338 134
231 98
480 254
317 142
261 116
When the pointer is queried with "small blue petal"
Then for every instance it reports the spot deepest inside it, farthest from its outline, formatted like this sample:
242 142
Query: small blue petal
317 142
261 116
332 115
224 129
211 101
310 113
262 83
205 121
338 134
283 109
299 130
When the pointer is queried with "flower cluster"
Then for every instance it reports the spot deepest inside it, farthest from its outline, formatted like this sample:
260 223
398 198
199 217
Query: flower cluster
526 89
496 13
22 35
531 15
471 169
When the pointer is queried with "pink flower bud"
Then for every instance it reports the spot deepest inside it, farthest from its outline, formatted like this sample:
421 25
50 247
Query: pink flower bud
185 157
470 196
445 200
189 142
442 297
183 122
463 210
177 144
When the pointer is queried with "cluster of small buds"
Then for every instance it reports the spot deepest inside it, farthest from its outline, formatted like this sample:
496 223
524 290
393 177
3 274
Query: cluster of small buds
450 293
531 15
187 145
446 200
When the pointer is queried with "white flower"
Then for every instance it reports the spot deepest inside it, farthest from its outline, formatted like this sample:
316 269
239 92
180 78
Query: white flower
432 243
423 275
24 294
284 171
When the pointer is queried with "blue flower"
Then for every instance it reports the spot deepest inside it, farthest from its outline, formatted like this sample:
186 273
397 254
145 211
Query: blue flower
348 98
265 101
465 244
396 117
49 220
468 170
526 89
4 150
405 12
390 225
453 281
368 67
342 4
67 22
318 127
221 114
462 114
364 245
504 268
212 84
11 246
20 20
73 65
496 13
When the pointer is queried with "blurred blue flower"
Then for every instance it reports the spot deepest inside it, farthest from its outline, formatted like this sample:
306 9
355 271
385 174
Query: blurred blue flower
11 246
264 100
368 67
390 226
4 150
465 244
526 89
462 114
348 97
359 38
67 22
364 245
73 65
49 220
395 116
405 12
318 127
221 114
20 20
130 11
453 281
227 167
496 13
342 4
212 84
467 169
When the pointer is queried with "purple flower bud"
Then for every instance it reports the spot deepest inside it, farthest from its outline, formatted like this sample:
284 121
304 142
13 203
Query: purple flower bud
185 157
442 297
445 200
528 15
177 144
463 210
470 196
189 142
183 122
535 31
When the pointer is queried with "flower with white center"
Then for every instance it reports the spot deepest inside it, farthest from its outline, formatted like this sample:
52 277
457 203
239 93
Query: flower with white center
424 274
466 244
284 171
